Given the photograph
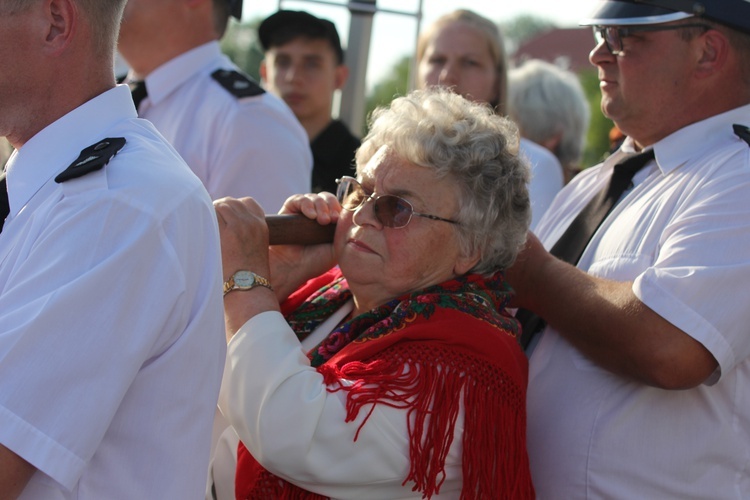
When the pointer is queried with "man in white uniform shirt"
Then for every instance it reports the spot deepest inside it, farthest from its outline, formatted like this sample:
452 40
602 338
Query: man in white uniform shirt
111 351
639 387
237 138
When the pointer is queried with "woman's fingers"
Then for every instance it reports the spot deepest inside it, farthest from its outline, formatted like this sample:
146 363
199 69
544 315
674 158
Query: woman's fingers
324 207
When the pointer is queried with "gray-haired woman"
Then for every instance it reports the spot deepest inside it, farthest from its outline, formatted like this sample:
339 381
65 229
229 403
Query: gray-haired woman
413 384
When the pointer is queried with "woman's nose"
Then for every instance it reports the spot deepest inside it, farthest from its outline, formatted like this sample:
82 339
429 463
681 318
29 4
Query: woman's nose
448 75
365 214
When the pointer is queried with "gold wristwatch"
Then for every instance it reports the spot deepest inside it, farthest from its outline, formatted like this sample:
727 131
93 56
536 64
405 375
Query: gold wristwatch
245 280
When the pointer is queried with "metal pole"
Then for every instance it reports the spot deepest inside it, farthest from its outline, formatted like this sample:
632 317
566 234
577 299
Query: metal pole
353 95
352 109
413 67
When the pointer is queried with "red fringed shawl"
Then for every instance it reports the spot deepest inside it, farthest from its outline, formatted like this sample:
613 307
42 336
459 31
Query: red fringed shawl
422 352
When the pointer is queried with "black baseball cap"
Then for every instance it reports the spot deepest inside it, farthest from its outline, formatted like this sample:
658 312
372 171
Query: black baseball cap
235 8
286 25
732 13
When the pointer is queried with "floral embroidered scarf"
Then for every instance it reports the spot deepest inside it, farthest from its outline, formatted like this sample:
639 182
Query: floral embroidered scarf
461 342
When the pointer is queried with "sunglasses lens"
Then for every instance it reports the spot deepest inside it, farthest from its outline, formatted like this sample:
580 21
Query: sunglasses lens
598 34
612 36
392 211
350 194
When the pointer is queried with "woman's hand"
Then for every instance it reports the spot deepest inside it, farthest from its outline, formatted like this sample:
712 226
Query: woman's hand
323 207
244 247
292 265
244 236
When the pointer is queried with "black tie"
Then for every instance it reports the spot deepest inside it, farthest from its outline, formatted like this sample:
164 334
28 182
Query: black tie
4 203
138 92
576 237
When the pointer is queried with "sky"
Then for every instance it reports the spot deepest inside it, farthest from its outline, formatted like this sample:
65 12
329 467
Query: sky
394 35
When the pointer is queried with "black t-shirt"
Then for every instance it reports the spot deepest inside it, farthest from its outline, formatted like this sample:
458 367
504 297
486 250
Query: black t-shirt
333 156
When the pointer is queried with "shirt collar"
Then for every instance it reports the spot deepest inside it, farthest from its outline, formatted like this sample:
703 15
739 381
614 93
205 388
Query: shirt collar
53 148
174 73
627 148
692 141
689 142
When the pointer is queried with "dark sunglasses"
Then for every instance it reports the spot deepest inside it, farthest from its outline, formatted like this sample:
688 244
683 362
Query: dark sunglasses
612 35
390 211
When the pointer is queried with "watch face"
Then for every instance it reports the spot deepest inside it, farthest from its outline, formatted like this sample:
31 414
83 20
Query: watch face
244 279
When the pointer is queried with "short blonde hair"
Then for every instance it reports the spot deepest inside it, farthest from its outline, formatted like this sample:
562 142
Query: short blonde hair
103 17
472 146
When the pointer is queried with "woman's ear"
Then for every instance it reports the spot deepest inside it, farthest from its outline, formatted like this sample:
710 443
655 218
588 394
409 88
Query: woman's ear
464 264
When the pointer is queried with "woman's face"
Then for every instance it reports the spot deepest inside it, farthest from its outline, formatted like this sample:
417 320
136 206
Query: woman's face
381 263
458 57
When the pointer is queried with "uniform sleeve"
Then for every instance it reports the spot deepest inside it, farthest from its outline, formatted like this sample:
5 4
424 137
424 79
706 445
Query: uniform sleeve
701 274
281 410
263 153
84 308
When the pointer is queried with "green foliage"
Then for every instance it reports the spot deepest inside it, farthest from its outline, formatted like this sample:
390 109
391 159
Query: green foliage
597 140
393 85
523 27
241 44
5 151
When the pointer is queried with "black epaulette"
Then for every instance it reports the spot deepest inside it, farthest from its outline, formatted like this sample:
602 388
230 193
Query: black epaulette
742 132
236 83
92 158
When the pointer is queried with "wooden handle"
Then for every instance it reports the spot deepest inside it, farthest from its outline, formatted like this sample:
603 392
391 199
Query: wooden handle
297 230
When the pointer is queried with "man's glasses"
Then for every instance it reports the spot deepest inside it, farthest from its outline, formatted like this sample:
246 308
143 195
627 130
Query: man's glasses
390 211
613 35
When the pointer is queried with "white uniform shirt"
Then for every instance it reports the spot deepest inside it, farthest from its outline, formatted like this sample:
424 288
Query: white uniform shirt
111 319
546 178
682 235
250 146
281 409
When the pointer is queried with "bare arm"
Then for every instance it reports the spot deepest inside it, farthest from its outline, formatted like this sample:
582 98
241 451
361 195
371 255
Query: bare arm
15 473
244 246
608 323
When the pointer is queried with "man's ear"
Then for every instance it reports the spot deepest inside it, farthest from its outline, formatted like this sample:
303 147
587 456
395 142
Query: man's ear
61 21
263 71
713 50
341 75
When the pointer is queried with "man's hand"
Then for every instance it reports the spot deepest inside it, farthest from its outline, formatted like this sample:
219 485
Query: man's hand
607 322
524 274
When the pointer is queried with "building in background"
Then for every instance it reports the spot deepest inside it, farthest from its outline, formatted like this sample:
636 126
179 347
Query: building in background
566 47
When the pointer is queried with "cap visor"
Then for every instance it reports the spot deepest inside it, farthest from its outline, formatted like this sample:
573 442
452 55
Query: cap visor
616 13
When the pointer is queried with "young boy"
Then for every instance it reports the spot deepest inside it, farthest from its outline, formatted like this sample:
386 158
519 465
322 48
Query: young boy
304 65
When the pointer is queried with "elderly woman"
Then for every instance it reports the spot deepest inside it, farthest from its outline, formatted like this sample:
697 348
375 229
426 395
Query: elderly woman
412 384
550 108
464 52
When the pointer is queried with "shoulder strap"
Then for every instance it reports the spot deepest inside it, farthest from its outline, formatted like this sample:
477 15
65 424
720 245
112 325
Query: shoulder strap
92 158
236 83
742 132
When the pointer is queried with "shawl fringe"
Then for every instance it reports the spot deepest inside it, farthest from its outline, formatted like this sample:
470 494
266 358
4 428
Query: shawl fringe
431 364
430 382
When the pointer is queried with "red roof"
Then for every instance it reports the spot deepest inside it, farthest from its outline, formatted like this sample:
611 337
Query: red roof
569 46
